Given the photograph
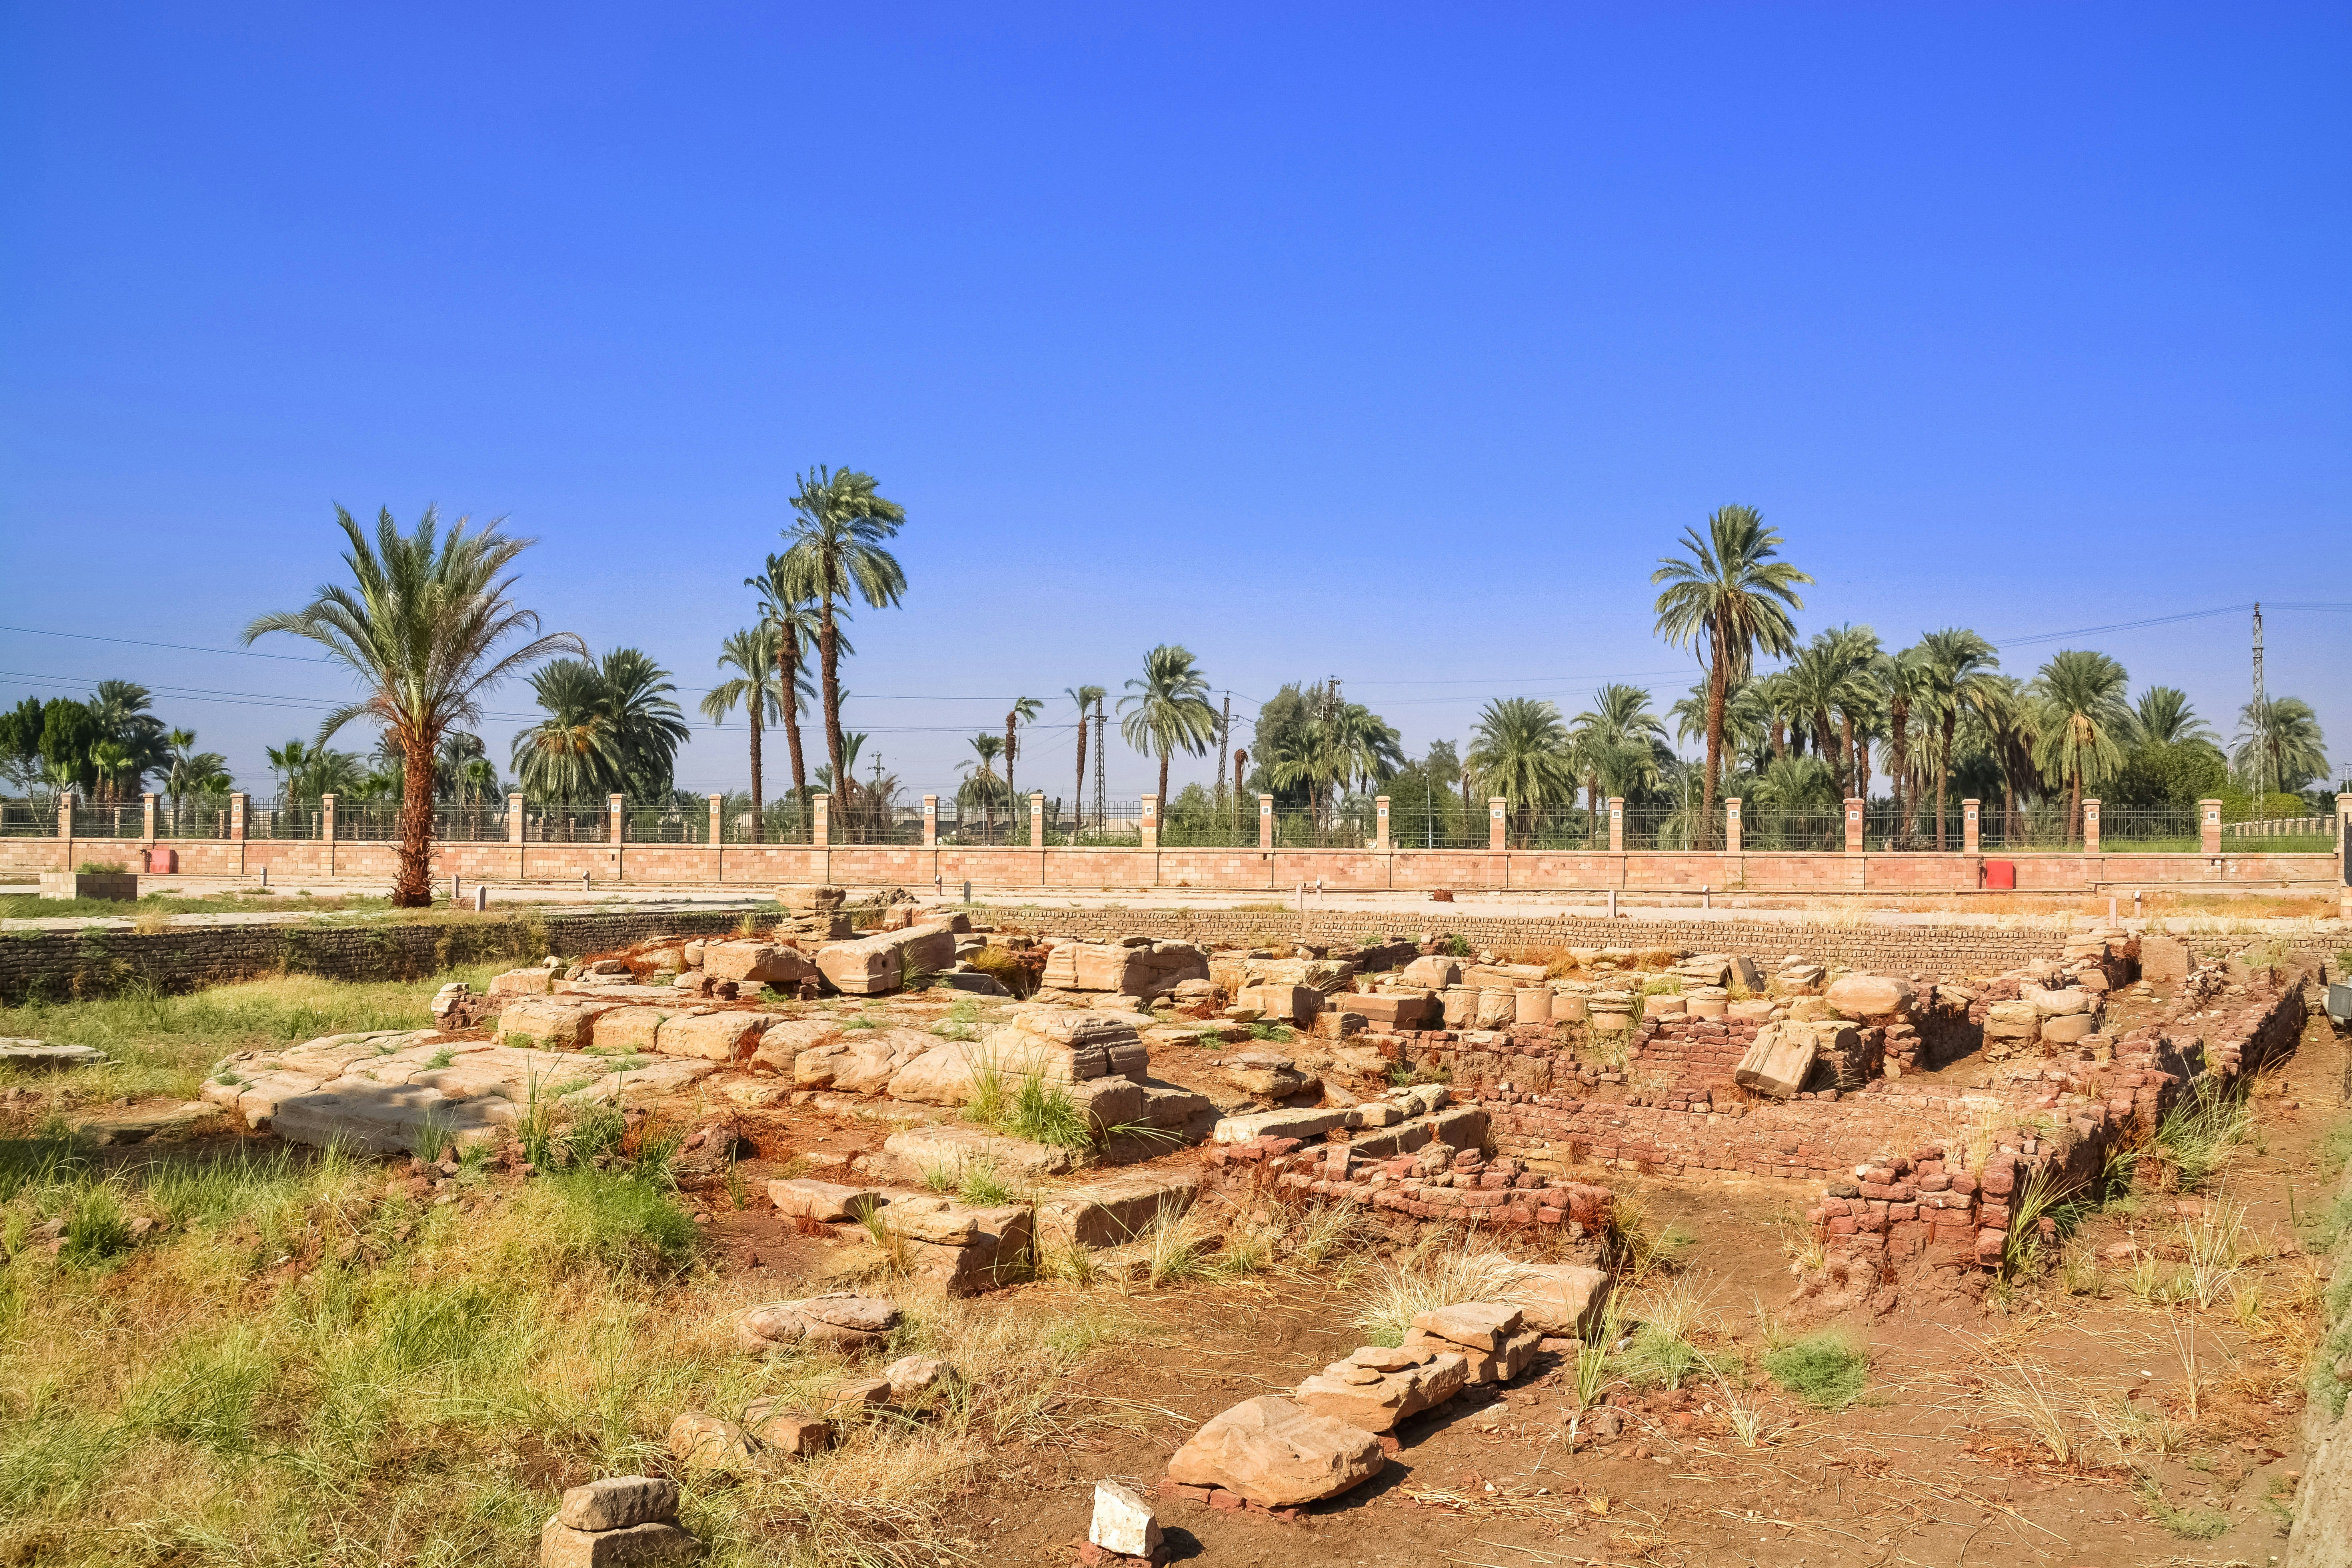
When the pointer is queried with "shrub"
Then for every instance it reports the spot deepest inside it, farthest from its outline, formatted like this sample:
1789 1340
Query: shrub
1824 1370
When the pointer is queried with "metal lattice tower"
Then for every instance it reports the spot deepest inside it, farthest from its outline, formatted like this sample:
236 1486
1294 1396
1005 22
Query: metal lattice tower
1102 758
2261 721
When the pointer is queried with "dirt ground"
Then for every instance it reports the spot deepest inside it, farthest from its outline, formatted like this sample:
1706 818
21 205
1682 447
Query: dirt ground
1929 1468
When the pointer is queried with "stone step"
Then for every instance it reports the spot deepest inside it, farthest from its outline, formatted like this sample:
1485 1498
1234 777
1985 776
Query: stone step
1117 1209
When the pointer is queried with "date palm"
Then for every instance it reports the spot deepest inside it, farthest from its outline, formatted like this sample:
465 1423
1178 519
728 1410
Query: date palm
1520 750
2280 747
787 607
980 784
2081 723
1088 698
755 688
427 626
1960 666
2163 716
835 554
648 726
1024 712
1903 684
572 755
1168 709
1616 745
190 771
1729 594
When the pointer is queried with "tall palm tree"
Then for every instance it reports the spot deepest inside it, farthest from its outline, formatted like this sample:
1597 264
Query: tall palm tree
647 725
1168 709
2280 747
426 627
1519 749
2082 720
1086 696
1903 684
2162 716
1617 746
142 746
189 767
836 554
574 755
1728 592
798 624
2003 720
980 784
752 654
1024 712
1960 669
284 762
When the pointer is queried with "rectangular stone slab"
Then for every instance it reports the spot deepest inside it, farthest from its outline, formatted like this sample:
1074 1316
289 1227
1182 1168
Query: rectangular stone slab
1116 1209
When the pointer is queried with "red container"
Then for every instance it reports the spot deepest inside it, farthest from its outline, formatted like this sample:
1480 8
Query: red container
2000 875
164 862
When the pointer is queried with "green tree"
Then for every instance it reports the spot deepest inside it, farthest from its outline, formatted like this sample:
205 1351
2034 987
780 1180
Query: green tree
1086 698
755 688
20 744
833 555
647 725
1520 750
137 737
426 626
1729 594
2081 723
798 623
1616 747
572 755
69 731
190 771
1025 710
1904 683
2162 716
2280 747
1168 709
981 786
1960 666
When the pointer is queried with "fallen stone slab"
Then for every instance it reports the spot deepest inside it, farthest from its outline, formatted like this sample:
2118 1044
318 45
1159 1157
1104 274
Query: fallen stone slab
1777 1063
1278 1123
842 1320
697 1440
630 1029
953 1148
717 1037
1861 996
617 1502
1378 1387
1456 1127
40 1056
1273 1453
537 981
560 1546
391 1118
552 1023
1563 1298
756 963
860 1061
139 1126
777 1426
912 1376
1492 1337
827 1202
1117 1209
876 965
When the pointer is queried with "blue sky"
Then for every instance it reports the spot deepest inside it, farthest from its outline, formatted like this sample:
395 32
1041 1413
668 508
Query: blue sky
1385 344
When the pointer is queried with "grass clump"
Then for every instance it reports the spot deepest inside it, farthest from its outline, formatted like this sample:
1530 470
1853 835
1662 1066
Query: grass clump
1428 1276
2189 1523
1826 1370
2196 1142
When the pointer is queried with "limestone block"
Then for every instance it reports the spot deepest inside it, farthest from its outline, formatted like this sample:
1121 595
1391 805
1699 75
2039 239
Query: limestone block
1299 1123
922 1149
1165 1105
1662 1006
556 1022
797 1433
1869 995
2164 960
1562 1298
868 968
629 1028
1432 972
1747 972
1272 1452
1754 1011
697 1440
912 1376
1269 1075
710 1037
1137 967
560 1546
2068 1028
1391 1010
1532 1005
1495 1010
829 1202
1123 1521
617 1502
1108 1102
1777 1063
756 963
2055 1004
40 1056
1706 1006
1568 1008
1116 1209
522 982
1289 1003
1473 1325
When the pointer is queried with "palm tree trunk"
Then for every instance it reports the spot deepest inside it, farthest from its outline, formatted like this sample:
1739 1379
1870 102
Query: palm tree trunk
1163 782
1079 797
828 650
788 666
1944 774
1010 795
759 806
1717 678
411 888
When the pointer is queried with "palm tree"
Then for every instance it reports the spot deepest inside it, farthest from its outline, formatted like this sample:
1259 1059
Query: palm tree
1959 668
121 709
1617 745
980 784
2280 747
1086 696
2078 703
2005 719
423 627
284 762
1902 680
2163 716
1024 712
1731 595
835 553
798 626
752 652
190 770
574 754
648 726
1168 709
1519 749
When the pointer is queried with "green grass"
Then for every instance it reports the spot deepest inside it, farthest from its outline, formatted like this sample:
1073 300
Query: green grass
1281 1034
985 1186
28 907
1825 1370
2202 1133
2189 1524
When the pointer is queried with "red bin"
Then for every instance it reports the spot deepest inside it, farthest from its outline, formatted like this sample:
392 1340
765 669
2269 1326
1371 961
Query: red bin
2000 875
164 862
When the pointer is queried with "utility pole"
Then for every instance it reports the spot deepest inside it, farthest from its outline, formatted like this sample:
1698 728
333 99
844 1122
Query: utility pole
1102 761
1225 734
2261 721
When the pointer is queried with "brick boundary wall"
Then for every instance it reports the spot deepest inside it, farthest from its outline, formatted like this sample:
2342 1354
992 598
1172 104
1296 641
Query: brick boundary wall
1232 871
98 962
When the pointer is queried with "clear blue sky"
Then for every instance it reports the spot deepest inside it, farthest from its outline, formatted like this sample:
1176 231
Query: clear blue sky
1390 345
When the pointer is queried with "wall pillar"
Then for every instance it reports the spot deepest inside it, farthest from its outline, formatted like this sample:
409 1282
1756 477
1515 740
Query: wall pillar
514 831
2343 818
236 808
718 839
1266 822
1151 822
147 810
1379 816
1731 805
613 818
930 821
1971 828
1497 821
65 816
1037 819
326 829
2209 826
1616 825
2090 826
821 821
1852 825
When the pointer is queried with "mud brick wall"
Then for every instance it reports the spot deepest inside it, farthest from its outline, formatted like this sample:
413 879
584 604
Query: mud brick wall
98 961
1435 1185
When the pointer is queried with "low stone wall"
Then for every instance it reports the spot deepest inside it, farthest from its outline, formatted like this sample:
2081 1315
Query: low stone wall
59 964
1274 870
